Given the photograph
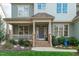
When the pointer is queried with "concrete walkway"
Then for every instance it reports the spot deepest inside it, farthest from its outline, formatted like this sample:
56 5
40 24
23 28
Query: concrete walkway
53 49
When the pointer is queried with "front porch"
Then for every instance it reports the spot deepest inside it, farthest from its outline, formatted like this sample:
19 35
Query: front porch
26 31
36 29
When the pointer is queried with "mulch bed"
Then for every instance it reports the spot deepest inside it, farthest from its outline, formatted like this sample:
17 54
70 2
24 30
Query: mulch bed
15 49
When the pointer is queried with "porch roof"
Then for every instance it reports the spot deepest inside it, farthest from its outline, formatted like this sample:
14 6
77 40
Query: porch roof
42 15
18 19
38 16
76 18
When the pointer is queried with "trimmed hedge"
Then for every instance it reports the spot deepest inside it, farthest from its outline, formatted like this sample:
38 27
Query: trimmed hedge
60 40
14 42
73 41
21 42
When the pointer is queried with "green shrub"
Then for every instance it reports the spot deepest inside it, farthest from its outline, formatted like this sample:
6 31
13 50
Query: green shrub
61 40
23 42
46 38
77 49
8 45
54 41
2 31
13 42
78 42
73 41
27 43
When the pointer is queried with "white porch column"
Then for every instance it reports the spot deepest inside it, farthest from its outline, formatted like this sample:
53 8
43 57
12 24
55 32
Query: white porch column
7 31
33 34
49 33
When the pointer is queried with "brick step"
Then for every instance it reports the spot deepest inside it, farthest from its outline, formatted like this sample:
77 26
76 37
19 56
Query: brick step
42 44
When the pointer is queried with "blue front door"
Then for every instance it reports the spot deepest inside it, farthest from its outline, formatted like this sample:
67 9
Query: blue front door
41 32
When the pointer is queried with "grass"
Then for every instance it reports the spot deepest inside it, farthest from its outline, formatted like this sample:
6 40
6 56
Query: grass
35 53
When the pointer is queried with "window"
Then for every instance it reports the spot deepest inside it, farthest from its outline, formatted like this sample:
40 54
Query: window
60 30
55 30
62 7
65 30
23 29
20 11
23 11
58 7
41 6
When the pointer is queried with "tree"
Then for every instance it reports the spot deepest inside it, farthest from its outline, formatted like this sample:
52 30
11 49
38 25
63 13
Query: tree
1 30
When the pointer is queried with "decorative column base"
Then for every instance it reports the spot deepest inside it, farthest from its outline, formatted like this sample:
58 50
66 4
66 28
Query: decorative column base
50 39
33 40
7 32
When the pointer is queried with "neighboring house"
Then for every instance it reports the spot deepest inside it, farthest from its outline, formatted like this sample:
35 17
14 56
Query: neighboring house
38 21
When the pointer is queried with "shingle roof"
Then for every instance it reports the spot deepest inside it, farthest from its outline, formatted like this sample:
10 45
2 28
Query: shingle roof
38 15
76 17
77 14
17 19
42 15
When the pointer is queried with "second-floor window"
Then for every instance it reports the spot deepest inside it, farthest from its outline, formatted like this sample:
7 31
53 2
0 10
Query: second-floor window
23 11
41 6
65 7
59 8
62 7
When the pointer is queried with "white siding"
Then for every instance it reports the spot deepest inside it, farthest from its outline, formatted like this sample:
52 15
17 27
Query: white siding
51 9
23 10
61 17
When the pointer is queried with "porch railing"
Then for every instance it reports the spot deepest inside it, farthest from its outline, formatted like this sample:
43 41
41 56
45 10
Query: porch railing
16 36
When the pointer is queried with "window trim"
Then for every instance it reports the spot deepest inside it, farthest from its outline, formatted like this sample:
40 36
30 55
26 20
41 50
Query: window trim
22 6
66 30
42 6
23 29
58 30
65 6
60 8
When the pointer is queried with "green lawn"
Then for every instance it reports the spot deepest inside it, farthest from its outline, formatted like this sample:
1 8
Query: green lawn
35 53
